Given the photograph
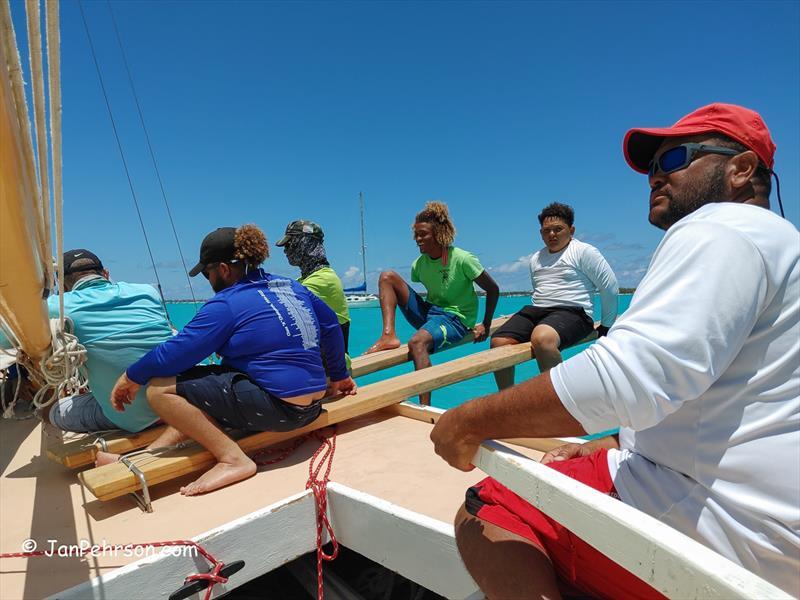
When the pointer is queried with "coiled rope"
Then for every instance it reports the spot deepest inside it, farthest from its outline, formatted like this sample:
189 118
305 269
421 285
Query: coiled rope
59 373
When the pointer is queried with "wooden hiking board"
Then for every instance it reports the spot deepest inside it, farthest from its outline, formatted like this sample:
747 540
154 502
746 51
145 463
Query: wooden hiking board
431 415
370 363
111 481
82 452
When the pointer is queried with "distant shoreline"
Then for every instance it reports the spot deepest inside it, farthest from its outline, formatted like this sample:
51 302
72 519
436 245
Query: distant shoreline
480 293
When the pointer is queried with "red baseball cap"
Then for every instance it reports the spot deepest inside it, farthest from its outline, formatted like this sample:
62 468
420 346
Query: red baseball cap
741 124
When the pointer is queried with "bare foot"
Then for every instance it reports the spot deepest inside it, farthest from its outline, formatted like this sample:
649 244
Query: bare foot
105 458
385 342
220 475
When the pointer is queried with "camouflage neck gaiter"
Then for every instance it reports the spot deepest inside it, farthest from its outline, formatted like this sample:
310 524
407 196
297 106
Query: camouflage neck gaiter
306 252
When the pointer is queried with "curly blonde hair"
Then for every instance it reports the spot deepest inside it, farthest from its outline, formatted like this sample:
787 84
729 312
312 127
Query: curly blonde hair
250 244
436 213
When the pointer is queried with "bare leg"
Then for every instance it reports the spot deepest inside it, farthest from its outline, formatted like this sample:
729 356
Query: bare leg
169 437
545 342
503 377
392 290
419 346
503 564
232 464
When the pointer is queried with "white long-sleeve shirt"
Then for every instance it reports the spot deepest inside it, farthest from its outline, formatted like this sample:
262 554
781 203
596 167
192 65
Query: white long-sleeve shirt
705 366
570 276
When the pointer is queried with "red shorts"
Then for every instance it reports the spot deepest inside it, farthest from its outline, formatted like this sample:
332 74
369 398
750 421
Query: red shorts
577 564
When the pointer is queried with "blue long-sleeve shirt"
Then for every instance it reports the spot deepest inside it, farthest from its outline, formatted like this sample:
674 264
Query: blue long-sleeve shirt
269 327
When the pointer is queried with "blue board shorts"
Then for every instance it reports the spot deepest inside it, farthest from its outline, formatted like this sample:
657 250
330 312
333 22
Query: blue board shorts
234 400
80 413
445 328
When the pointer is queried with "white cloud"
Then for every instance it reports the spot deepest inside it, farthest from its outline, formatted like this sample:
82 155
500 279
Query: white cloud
352 274
521 263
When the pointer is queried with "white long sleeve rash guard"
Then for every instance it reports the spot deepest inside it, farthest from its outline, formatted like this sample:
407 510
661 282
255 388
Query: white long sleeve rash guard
705 367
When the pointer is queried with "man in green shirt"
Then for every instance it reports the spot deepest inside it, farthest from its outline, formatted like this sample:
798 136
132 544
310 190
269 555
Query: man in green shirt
450 310
303 245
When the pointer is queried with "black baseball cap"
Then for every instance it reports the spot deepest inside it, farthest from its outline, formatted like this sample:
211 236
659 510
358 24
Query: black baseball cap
81 255
217 246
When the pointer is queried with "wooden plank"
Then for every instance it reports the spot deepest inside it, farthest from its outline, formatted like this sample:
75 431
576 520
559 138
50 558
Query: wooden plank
111 481
370 363
669 561
82 452
430 414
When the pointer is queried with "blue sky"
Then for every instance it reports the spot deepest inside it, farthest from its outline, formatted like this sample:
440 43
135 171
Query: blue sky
275 111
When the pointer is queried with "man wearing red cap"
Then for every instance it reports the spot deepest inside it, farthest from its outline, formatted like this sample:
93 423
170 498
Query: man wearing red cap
701 372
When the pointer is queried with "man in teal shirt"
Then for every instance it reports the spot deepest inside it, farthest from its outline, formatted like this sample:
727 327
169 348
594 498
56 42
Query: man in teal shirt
117 323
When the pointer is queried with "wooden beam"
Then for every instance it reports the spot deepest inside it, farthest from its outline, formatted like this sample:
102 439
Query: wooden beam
82 452
430 414
663 557
114 480
370 363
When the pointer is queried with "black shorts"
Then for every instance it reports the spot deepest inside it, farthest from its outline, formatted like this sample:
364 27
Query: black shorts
570 322
234 400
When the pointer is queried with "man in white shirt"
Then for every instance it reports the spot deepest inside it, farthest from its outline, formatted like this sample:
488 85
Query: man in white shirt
704 367
564 275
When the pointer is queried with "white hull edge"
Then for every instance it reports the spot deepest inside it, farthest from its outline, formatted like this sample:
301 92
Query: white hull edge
672 563
417 547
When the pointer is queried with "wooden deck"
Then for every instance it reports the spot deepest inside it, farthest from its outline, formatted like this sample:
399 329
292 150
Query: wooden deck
385 455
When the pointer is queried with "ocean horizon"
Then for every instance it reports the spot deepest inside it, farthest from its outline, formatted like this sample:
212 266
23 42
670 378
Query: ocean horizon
365 328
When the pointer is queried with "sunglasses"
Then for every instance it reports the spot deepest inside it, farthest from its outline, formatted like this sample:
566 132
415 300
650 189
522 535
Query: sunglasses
207 270
680 157
214 265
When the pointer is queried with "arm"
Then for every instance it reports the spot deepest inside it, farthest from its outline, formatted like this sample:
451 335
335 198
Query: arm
571 450
488 285
599 272
530 409
205 334
689 321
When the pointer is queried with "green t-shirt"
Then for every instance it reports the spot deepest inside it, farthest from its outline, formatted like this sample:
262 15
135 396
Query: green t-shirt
326 285
450 288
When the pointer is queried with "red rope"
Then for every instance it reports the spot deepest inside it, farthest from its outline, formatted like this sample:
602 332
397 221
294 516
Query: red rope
282 453
213 577
318 486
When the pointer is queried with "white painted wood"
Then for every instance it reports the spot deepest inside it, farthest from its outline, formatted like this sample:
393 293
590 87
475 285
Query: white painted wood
264 539
416 546
669 561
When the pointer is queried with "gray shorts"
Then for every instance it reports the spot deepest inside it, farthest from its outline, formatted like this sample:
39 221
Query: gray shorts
80 413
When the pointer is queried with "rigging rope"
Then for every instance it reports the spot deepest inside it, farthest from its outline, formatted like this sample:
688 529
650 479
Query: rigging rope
150 149
54 87
122 156
34 20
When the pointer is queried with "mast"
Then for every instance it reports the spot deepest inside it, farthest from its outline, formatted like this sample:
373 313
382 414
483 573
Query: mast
363 241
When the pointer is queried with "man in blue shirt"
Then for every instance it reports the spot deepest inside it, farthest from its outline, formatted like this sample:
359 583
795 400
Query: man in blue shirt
117 323
272 334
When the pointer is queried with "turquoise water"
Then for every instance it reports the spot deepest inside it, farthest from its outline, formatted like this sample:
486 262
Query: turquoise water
366 326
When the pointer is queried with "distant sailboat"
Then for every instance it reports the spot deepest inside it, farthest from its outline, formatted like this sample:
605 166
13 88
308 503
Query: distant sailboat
357 297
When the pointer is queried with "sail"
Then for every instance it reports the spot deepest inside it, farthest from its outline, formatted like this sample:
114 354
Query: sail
358 288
